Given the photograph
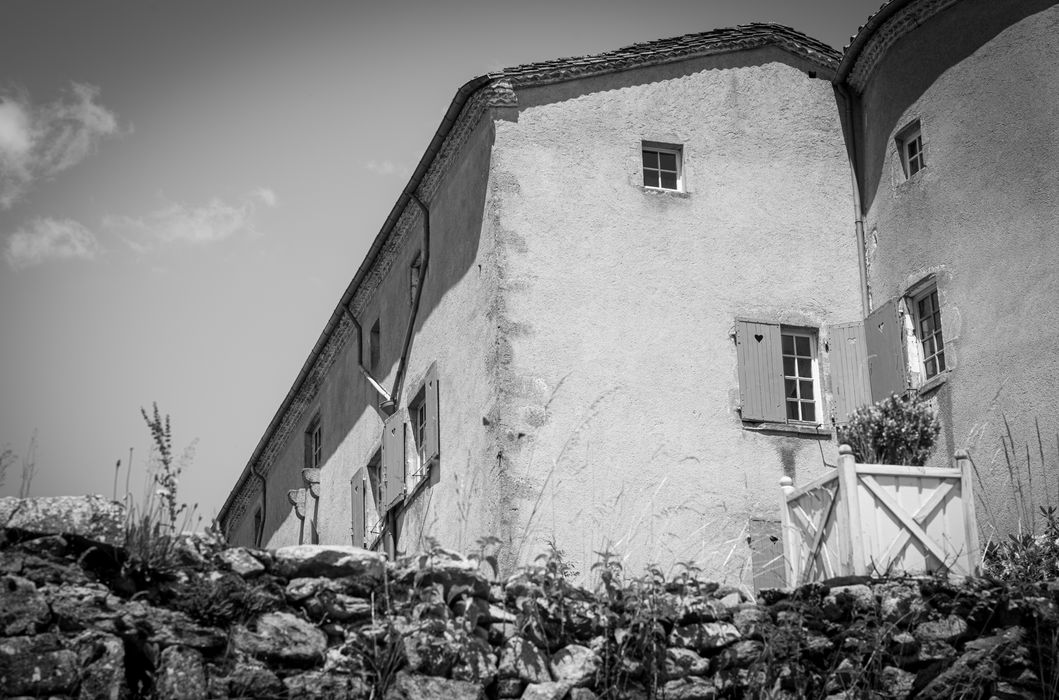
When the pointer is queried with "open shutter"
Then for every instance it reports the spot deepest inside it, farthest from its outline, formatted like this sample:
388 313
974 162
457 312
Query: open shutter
883 335
393 468
850 386
760 360
433 445
358 487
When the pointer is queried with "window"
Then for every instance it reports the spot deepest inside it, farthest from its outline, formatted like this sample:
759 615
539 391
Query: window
423 424
910 144
662 167
798 375
927 312
314 444
779 378
413 278
374 340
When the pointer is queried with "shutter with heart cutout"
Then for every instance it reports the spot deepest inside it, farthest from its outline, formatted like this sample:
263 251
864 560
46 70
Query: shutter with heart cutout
760 361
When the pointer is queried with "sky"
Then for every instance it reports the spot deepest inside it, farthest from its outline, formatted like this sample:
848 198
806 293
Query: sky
187 187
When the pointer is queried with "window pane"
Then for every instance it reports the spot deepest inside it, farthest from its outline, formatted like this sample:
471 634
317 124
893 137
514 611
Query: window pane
792 388
650 178
941 362
805 367
926 325
650 159
928 346
788 366
939 341
807 390
808 412
788 344
932 368
803 345
669 180
668 161
792 410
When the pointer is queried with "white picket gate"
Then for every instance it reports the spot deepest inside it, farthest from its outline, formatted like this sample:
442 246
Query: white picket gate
874 519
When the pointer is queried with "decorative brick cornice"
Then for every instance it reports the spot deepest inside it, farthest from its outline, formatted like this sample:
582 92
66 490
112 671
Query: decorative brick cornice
876 37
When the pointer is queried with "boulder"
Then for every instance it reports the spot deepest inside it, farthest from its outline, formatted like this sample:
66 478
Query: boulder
316 685
180 675
252 680
23 610
332 561
521 659
94 517
690 688
682 662
705 637
239 560
284 638
949 630
102 661
553 690
409 687
37 666
575 665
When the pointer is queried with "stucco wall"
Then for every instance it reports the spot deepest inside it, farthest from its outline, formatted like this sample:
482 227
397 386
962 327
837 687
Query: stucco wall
619 384
982 216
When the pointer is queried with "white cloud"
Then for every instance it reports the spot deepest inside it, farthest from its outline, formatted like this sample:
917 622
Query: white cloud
211 222
386 167
49 239
38 142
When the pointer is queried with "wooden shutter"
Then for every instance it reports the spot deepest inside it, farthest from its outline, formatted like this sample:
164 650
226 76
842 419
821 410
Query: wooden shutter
433 445
358 487
850 386
760 361
883 341
393 467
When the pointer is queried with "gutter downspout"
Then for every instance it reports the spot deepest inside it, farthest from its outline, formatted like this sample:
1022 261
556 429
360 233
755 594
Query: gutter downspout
858 216
402 366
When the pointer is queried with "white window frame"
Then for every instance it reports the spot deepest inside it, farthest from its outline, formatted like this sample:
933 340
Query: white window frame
930 292
910 146
658 149
814 367
314 443
417 417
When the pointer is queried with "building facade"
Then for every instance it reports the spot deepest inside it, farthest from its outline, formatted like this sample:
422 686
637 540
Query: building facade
621 296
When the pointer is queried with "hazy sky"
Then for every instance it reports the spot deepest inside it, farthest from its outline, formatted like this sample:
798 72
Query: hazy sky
186 189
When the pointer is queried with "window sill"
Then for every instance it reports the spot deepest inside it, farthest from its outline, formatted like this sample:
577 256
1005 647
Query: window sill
821 432
679 194
933 384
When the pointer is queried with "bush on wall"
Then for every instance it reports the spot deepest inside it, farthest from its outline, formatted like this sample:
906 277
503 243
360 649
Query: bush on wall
895 430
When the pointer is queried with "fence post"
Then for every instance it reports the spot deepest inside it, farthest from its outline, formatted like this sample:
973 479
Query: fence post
850 532
970 520
790 549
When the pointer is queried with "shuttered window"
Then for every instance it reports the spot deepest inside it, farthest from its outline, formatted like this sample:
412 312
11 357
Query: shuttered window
884 344
778 373
850 388
393 460
359 488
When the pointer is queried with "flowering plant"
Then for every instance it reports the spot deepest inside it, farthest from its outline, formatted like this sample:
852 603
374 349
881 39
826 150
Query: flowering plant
895 430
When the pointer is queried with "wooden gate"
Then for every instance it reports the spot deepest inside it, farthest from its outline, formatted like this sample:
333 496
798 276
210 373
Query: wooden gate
876 519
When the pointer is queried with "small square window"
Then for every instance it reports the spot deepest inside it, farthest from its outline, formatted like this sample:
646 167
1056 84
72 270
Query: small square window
663 167
927 312
910 145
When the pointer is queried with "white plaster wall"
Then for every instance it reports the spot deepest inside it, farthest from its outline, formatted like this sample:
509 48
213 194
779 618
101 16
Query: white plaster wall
618 387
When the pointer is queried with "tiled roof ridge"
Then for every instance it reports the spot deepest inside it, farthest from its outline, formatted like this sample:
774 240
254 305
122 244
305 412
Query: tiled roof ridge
658 51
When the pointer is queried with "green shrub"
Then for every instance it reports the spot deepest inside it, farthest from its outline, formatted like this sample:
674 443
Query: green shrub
892 431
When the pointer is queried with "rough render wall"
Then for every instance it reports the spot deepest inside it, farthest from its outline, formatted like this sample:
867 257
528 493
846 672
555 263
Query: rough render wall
453 330
618 386
982 216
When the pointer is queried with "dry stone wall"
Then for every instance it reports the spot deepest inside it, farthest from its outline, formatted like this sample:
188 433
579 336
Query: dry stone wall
80 618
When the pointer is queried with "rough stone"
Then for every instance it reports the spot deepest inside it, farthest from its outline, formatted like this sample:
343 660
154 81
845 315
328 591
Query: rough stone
690 688
582 694
282 637
521 659
37 666
249 679
23 610
431 649
409 687
102 660
749 619
180 675
705 637
94 517
312 560
575 665
242 562
949 630
509 687
682 662
843 601
896 683
317 685
476 663
554 690
900 604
